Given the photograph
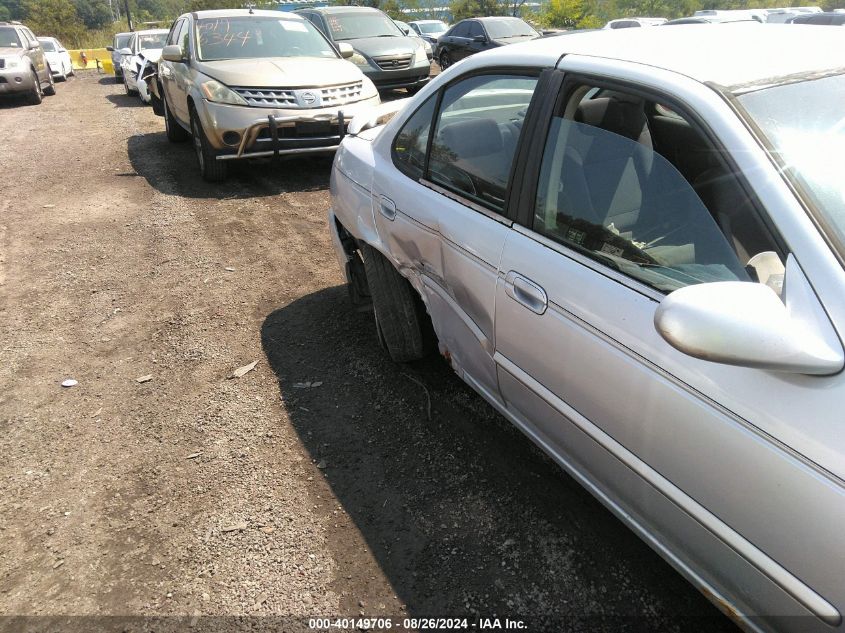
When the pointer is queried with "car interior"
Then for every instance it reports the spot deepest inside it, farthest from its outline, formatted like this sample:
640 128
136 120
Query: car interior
637 182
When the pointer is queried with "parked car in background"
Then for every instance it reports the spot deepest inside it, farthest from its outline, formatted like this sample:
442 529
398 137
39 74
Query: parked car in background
24 68
57 57
732 15
119 42
134 56
713 19
407 30
429 30
824 19
277 88
632 245
475 35
382 51
627 23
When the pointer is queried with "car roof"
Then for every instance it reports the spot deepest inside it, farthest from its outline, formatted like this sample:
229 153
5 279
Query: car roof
150 32
426 22
345 9
729 54
231 13
46 37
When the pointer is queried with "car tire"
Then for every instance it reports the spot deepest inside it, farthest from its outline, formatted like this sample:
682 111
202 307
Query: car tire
129 91
63 77
175 132
402 325
50 90
36 96
444 61
211 169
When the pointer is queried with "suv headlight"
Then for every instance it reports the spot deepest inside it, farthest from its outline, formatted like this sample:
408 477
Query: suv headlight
13 62
359 60
420 56
218 93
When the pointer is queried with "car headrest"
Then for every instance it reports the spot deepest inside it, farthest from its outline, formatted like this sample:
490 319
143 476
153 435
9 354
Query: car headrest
469 139
624 117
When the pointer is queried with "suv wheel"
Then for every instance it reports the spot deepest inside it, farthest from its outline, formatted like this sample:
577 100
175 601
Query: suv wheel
402 325
444 60
129 91
175 132
212 170
50 90
35 96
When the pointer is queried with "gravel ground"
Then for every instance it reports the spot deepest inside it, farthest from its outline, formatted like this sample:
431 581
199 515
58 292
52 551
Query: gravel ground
325 481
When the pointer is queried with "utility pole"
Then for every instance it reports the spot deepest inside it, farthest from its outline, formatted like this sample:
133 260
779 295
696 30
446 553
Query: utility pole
128 15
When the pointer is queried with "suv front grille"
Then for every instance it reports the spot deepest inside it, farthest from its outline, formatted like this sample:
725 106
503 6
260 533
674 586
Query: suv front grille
393 62
268 97
287 98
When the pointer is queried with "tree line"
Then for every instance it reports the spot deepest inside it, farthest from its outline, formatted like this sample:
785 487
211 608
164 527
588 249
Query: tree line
89 23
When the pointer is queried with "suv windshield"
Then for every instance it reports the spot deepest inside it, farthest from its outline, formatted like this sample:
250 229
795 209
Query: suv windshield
431 27
259 37
352 26
9 38
152 41
48 46
804 125
504 29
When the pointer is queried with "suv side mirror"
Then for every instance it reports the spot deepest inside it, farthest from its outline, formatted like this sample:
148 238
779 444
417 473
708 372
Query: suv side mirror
110 49
480 38
346 51
125 51
173 53
746 324
33 45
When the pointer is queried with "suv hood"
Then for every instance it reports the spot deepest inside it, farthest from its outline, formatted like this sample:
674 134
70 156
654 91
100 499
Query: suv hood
376 46
281 72
10 51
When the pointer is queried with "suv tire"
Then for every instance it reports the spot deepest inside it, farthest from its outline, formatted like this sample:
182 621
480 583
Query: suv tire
402 325
129 91
445 60
50 90
212 170
35 96
175 132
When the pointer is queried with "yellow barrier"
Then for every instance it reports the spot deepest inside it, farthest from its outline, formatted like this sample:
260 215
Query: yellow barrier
93 55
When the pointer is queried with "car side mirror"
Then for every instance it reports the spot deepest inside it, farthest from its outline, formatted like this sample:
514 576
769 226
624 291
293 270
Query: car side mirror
173 53
480 38
346 51
110 49
747 324
125 51
33 45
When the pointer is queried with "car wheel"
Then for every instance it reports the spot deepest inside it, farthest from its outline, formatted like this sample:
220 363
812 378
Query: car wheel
50 90
63 76
36 95
175 132
129 91
402 325
212 170
444 60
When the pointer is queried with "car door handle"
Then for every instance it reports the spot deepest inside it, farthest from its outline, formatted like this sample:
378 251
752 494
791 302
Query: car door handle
387 208
526 292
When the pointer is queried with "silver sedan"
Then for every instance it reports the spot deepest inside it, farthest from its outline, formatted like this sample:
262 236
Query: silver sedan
632 244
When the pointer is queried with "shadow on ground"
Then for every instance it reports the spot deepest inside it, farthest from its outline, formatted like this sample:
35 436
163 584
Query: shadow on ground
172 168
463 514
126 101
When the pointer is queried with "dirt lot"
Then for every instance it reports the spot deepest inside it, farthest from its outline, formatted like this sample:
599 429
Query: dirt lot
194 494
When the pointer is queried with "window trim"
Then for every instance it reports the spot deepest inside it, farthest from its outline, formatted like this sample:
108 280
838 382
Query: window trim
527 195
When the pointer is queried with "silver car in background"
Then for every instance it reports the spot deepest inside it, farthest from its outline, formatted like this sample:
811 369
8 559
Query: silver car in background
632 245
249 84
119 42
